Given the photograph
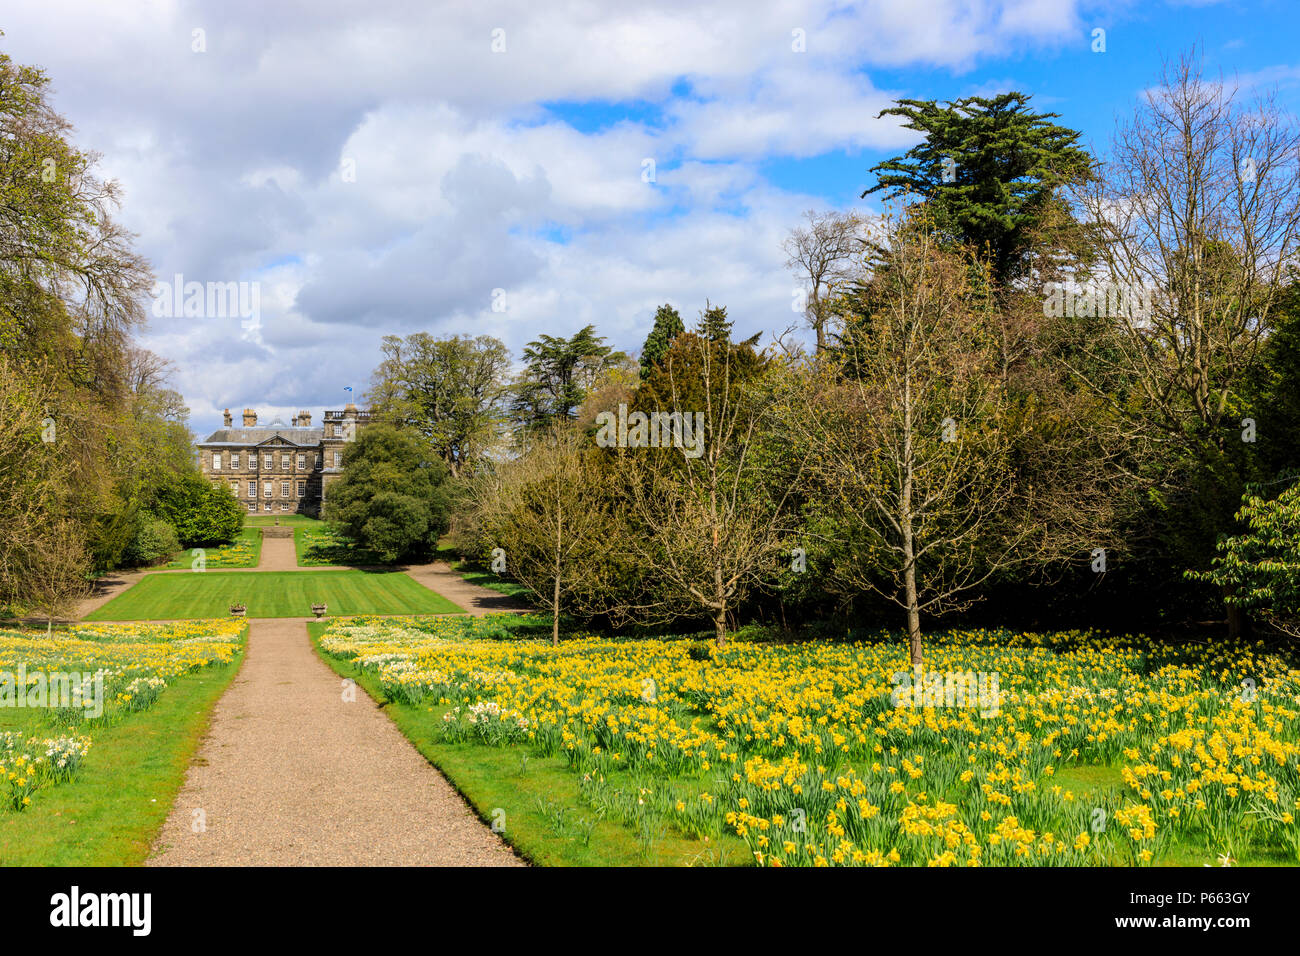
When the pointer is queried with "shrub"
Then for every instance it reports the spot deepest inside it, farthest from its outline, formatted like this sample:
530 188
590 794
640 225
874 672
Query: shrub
1260 569
154 541
200 512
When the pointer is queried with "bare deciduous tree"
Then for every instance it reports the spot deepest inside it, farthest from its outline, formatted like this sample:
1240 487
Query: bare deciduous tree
824 255
709 530
1200 203
546 510
917 438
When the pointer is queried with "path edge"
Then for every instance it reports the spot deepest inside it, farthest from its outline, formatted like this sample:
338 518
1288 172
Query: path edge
199 736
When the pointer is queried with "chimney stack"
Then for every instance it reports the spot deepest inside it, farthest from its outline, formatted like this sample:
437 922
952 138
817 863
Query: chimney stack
226 418
250 418
304 419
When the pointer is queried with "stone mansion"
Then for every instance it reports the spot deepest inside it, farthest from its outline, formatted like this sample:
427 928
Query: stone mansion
279 469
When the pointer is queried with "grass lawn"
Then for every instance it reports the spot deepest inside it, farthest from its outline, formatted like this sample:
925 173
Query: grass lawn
536 798
244 552
112 811
290 521
165 597
318 546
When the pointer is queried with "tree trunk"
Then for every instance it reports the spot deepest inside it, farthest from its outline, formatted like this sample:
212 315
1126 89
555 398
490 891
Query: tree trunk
905 525
720 626
555 604
1238 620
559 563
913 619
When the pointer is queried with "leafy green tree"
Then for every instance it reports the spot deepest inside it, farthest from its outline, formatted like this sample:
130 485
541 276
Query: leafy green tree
71 291
668 325
56 235
391 498
1260 569
989 169
154 541
449 390
557 375
202 513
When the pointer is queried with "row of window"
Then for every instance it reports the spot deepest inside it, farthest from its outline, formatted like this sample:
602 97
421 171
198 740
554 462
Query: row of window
268 461
266 506
268 489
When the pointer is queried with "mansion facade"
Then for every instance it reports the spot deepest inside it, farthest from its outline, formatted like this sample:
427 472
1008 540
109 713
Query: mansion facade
279 469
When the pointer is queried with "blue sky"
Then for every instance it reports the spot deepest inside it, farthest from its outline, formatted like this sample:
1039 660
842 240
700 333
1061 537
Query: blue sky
384 168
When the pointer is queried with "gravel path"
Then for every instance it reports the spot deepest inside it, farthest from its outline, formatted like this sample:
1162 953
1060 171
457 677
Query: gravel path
279 554
290 774
475 599
105 589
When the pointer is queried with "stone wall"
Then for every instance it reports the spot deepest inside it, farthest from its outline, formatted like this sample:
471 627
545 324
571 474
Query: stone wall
252 468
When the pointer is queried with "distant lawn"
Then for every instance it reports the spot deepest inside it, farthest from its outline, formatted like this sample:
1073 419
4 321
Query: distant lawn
166 597
291 521
244 552
318 546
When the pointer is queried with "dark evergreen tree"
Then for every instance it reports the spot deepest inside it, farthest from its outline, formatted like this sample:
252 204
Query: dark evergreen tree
558 373
392 498
714 324
989 169
668 325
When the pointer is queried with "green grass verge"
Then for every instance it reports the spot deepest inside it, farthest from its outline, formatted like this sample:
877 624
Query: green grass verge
244 552
112 812
167 597
318 546
494 582
536 798
290 521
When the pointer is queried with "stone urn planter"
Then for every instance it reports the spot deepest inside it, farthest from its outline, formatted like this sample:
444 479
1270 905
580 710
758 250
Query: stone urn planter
319 609
238 610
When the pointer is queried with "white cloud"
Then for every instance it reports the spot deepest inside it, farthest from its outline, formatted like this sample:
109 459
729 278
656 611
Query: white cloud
233 160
